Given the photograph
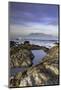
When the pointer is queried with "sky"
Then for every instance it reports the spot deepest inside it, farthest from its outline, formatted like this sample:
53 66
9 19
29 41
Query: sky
26 18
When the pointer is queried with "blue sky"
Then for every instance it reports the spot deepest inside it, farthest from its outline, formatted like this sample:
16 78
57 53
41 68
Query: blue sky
26 18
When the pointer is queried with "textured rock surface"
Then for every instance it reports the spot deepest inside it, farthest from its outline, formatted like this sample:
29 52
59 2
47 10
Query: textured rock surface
45 73
21 55
21 58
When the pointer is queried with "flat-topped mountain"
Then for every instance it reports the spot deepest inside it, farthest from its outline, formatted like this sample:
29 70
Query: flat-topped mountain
38 36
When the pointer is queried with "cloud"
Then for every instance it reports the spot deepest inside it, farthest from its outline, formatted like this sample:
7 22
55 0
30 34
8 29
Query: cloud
26 18
25 12
17 30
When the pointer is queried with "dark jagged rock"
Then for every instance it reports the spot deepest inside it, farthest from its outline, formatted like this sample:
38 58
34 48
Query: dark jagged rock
26 42
56 43
45 73
12 43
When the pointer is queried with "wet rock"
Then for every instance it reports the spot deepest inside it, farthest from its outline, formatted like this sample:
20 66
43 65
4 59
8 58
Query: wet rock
45 73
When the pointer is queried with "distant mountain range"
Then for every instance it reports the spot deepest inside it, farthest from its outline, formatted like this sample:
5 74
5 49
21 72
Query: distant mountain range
38 36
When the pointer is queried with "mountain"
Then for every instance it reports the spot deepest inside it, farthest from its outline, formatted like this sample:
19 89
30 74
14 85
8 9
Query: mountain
41 36
38 34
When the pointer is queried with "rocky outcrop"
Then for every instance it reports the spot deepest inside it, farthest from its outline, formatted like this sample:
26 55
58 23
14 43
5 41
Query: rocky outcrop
45 73
33 47
12 43
21 55
22 58
28 46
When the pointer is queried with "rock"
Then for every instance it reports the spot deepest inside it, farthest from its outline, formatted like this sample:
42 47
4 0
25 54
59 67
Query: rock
56 43
45 73
23 58
21 55
26 42
12 43
29 46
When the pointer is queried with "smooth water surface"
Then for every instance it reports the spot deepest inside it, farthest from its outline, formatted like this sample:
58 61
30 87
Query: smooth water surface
39 54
